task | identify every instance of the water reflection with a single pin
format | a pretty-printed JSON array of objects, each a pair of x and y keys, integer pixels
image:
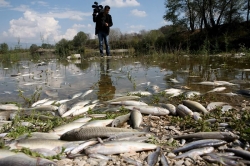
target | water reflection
[{"x": 106, "y": 89}]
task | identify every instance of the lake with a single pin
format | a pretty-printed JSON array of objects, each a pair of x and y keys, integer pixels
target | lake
[{"x": 116, "y": 76}]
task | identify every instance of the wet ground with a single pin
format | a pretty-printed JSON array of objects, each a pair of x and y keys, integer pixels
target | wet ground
[{"x": 110, "y": 77}]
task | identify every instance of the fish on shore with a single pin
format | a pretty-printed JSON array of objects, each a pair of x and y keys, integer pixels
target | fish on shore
[
  {"x": 117, "y": 147},
  {"x": 135, "y": 119},
  {"x": 153, "y": 110},
  {"x": 25, "y": 160},
  {"x": 196, "y": 152},
  {"x": 200, "y": 144},
  {"x": 195, "y": 106},
  {"x": 228, "y": 136}
]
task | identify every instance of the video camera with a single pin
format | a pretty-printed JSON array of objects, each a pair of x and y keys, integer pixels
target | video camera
[{"x": 97, "y": 8}]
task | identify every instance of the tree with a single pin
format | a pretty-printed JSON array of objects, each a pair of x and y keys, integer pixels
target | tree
[
  {"x": 80, "y": 39},
  {"x": 63, "y": 47},
  {"x": 4, "y": 48},
  {"x": 33, "y": 49}
]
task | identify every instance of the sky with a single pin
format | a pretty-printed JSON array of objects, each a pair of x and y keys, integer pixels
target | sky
[{"x": 49, "y": 21}]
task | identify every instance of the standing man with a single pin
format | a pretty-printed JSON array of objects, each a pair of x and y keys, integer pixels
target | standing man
[{"x": 103, "y": 21}]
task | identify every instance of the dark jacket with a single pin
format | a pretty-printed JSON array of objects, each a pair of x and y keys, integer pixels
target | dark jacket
[{"x": 100, "y": 21}]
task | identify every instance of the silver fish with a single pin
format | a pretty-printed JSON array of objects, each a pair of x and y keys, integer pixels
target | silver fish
[
  {"x": 86, "y": 93},
  {"x": 40, "y": 102},
  {"x": 41, "y": 108},
  {"x": 24, "y": 160},
  {"x": 149, "y": 110},
  {"x": 170, "y": 107},
  {"x": 117, "y": 147},
  {"x": 183, "y": 111},
  {"x": 62, "y": 109},
  {"x": 195, "y": 106},
  {"x": 120, "y": 120},
  {"x": 83, "y": 110},
  {"x": 214, "y": 105},
  {"x": 200, "y": 144},
  {"x": 196, "y": 152},
  {"x": 37, "y": 143},
  {"x": 9, "y": 107},
  {"x": 228, "y": 136},
  {"x": 153, "y": 157},
  {"x": 100, "y": 123},
  {"x": 135, "y": 119},
  {"x": 59, "y": 130}
]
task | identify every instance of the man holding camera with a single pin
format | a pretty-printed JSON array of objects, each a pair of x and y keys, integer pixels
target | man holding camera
[{"x": 103, "y": 21}]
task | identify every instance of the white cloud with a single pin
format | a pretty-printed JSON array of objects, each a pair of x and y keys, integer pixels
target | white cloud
[
  {"x": 32, "y": 25},
  {"x": 41, "y": 3},
  {"x": 138, "y": 13},
  {"x": 73, "y": 15},
  {"x": 120, "y": 3},
  {"x": 136, "y": 27},
  {"x": 3, "y": 3},
  {"x": 21, "y": 8}
]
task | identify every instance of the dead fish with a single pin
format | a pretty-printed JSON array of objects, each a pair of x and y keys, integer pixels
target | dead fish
[
  {"x": 164, "y": 161},
  {"x": 76, "y": 95},
  {"x": 59, "y": 130},
  {"x": 174, "y": 92},
  {"x": 214, "y": 105},
  {"x": 82, "y": 146},
  {"x": 86, "y": 93},
  {"x": 62, "y": 109},
  {"x": 135, "y": 119},
  {"x": 129, "y": 102},
  {"x": 24, "y": 160},
  {"x": 6, "y": 153},
  {"x": 98, "y": 123},
  {"x": 191, "y": 94},
  {"x": 85, "y": 133},
  {"x": 195, "y": 106},
  {"x": 37, "y": 143},
  {"x": 170, "y": 107},
  {"x": 124, "y": 98},
  {"x": 40, "y": 102},
  {"x": 152, "y": 158},
  {"x": 144, "y": 109},
  {"x": 120, "y": 120},
  {"x": 228, "y": 136},
  {"x": 9, "y": 107},
  {"x": 219, "y": 89},
  {"x": 41, "y": 108},
  {"x": 117, "y": 147},
  {"x": 200, "y": 144},
  {"x": 195, "y": 152},
  {"x": 240, "y": 152},
  {"x": 142, "y": 93},
  {"x": 212, "y": 157},
  {"x": 183, "y": 111},
  {"x": 83, "y": 110}
]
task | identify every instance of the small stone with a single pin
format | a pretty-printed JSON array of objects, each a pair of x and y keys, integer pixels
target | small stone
[
  {"x": 171, "y": 155},
  {"x": 64, "y": 162},
  {"x": 178, "y": 163}
]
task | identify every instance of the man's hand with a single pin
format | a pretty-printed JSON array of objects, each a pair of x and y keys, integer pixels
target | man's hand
[{"x": 106, "y": 24}]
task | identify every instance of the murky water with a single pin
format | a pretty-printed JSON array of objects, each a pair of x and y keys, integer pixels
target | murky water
[{"x": 112, "y": 77}]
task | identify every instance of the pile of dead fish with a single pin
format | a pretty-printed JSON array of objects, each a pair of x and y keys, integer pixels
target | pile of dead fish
[{"x": 127, "y": 139}]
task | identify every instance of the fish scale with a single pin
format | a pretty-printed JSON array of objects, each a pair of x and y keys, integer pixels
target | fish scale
[{"x": 85, "y": 133}]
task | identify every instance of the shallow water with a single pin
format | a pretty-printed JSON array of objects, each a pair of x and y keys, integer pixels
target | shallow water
[{"x": 118, "y": 75}]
